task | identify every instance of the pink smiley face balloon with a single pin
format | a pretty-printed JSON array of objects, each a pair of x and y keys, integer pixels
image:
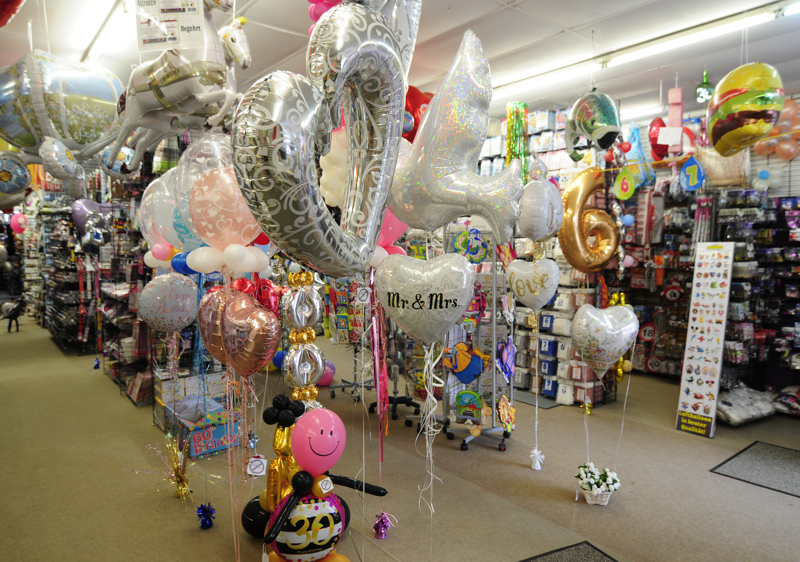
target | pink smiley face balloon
[{"x": 318, "y": 440}]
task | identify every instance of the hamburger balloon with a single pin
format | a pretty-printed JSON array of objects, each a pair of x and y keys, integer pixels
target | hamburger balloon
[{"x": 745, "y": 107}]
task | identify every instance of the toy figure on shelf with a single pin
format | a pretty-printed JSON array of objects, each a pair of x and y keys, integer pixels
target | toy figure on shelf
[
  {"x": 308, "y": 523},
  {"x": 465, "y": 363}
]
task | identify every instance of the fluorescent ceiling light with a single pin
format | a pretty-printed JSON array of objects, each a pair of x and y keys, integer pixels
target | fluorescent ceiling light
[
  {"x": 692, "y": 38},
  {"x": 643, "y": 112},
  {"x": 792, "y": 9},
  {"x": 547, "y": 79}
]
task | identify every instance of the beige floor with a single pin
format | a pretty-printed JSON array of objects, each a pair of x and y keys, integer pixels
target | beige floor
[{"x": 71, "y": 445}]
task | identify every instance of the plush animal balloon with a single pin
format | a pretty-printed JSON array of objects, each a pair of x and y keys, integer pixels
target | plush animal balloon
[
  {"x": 594, "y": 117},
  {"x": 437, "y": 182},
  {"x": 581, "y": 224},
  {"x": 84, "y": 125},
  {"x": 746, "y": 105}
]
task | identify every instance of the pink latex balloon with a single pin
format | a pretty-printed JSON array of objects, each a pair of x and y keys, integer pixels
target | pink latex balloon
[
  {"x": 327, "y": 378},
  {"x": 18, "y": 223},
  {"x": 628, "y": 261},
  {"x": 391, "y": 230},
  {"x": 315, "y": 1},
  {"x": 315, "y": 11},
  {"x": 318, "y": 440},
  {"x": 162, "y": 252},
  {"x": 219, "y": 211},
  {"x": 392, "y": 250}
]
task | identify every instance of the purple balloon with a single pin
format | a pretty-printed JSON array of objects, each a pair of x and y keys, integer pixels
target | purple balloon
[{"x": 81, "y": 209}]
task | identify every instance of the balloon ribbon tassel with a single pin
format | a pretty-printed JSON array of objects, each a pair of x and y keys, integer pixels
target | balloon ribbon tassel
[
  {"x": 382, "y": 524},
  {"x": 205, "y": 514}
]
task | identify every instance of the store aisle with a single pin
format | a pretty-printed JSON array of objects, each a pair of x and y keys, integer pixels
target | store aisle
[{"x": 71, "y": 445}]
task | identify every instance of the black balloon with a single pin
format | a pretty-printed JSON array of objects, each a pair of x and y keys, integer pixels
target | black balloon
[
  {"x": 286, "y": 418},
  {"x": 302, "y": 482},
  {"x": 255, "y": 519},
  {"x": 297, "y": 408},
  {"x": 281, "y": 401},
  {"x": 270, "y": 416}
]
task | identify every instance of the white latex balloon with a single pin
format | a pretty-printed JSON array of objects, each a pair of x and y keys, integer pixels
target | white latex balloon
[
  {"x": 295, "y": 268},
  {"x": 379, "y": 255},
  {"x": 266, "y": 273},
  {"x": 238, "y": 258},
  {"x": 334, "y": 170},
  {"x": 425, "y": 298},
  {"x": 541, "y": 210},
  {"x": 603, "y": 336},
  {"x": 262, "y": 261},
  {"x": 150, "y": 260},
  {"x": 206, "y": 260},
  {"x": 534, "y": 284}
]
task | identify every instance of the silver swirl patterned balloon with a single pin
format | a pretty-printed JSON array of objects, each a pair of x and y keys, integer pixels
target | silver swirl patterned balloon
[
  {"x": 402, "y": 16},
  {"x": 303, "y": 364},
  {"x": 437, "y": 182},
  {"x": 283, "y": 125}
]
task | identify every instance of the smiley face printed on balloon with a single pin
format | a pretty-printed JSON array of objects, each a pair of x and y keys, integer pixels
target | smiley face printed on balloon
[{"x": 318, "y": 440}]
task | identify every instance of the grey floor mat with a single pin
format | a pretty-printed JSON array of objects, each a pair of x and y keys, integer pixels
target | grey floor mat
[
  {"x": 545, "y": 402},
  {"x": 769, "y": 466},
  {"x": 581, "y": 552}
]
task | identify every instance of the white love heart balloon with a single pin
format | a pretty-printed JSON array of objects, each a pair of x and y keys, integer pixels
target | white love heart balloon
[
  {"x": 541, "y": 210},
  {"x": 602, "y": 336},
  {"x": 533, "y": 283},
  {"x": 425, "y": 298}
]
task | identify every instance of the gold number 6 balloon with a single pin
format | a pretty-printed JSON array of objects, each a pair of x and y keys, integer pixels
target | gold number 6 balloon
[
  {"x": 581, "y": 224},
  {"x": 357, "y": 58}
]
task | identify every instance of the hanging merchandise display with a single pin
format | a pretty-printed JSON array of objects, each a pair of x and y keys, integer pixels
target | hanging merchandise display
[{"x": 434, "y": 183}]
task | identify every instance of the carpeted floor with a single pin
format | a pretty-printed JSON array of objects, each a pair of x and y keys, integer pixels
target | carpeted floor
[
  {"x": 765, "y": 465},
  {"x": 73, "y": 487},
  {"x": 545, "y": 402}
]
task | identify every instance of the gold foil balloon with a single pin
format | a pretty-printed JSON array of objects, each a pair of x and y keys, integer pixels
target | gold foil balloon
[
  {"x": 209, "y": 321},
  {"x": 579, "y": 224},
  {"x": 251, "y": 334}
]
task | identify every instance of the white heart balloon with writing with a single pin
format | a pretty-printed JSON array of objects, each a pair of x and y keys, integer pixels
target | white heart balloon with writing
[
  {"x": 602, "y": 336},
  {"x": 425, "y": 298},
  {"x": 534, "y": 284}
]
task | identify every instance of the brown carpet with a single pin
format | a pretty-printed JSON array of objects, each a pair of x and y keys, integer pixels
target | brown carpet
[{"x": 71, "y": 444}]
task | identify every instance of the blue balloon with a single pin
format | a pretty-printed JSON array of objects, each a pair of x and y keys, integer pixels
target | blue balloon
[
  {"x": 278, "y": 359},
  {"x": 763, "y": 175},
  {"x": 628, "y": 220},
  {"x": 179, "y": 264}
]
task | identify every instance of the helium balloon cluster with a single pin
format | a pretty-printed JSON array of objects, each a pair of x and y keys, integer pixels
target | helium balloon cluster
[{"x": 782, "y": 139}]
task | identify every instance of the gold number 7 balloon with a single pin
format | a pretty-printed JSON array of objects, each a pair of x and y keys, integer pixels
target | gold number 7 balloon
[
  {"x": 436, "y": 183},
  {"x": 284, "y": 122}
]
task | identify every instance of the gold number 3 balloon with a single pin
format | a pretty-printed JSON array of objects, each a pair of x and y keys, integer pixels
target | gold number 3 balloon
[
  {"x": 358, "y": 56},
  {"x": 581, "y": 224}
]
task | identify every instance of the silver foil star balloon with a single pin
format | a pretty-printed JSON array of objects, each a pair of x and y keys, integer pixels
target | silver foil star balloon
[{"x": 437, "y": 182}]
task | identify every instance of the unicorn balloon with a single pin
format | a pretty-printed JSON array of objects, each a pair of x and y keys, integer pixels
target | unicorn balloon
[{"x": 182, "y": 89}]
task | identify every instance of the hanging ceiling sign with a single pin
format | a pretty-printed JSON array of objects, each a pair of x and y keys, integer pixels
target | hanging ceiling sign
[{"x": 169, "y": 24}]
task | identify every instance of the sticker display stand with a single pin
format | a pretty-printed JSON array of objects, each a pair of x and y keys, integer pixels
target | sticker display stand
[{"x": 705, "y": 341}]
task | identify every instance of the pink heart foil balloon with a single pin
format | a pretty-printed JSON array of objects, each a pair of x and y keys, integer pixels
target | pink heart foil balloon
[
  {"x": 270, "y": 294},
  {"x": 209, "y": 322},
  {"x": 251, "y": 334}
]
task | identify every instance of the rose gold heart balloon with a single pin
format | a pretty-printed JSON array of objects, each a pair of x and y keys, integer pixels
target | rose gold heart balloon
[
  {"x": 251, "y": 334},
  {"x": 209, "y": 321}
]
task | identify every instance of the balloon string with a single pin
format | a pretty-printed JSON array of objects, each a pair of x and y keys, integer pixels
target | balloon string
[
  {"x": 536, "y": 400},
  {"x": 428, "y": 429},
  {"x": 624, "y": 408},
  {"x": 586, "y": 426}
]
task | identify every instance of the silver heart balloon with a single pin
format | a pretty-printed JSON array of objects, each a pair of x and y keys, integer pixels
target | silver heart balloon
[
  {"x": 303, "y": 364},
  {"x": 534, "y": 284},
  {"x": 425, "y": 298},
  {"x": 603, "y": 336},
  {"x": 283, "y": 125},
  {"x": 437, "y": 182},
  {"x": 303, "y": 307}
]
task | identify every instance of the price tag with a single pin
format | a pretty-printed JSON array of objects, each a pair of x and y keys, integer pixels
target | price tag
[
  {"x": 363, "y": 295},
  {"x": 692, "y": 174},
  {"x": 624, "y": 185}
]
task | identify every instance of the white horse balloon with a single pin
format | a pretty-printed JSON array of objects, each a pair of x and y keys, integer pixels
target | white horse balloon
[{"x": 180, "y": 90}]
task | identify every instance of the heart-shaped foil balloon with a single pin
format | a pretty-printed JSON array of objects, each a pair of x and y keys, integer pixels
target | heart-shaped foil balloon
[
  {"x": 244, "y": 286},
  {"x": 534, "y": 284},
  {"x": 209, "y": 322},
  {"x": 303, "y": 364},
  {"x": 251, "y": 334},
  {"x": 425, "y": 298},
  {"x": 270, "y": 294},
  {"x": 303, "y": 308},
  {"x": 602, "y": 336}
]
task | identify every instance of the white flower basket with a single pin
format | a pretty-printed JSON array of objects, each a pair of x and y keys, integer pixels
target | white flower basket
[{"x": 600, "y": 499}]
